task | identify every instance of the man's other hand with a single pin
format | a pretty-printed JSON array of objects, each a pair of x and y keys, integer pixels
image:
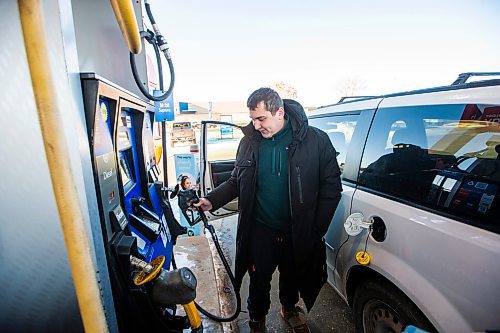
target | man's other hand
[{"x": 204, "y": 204}]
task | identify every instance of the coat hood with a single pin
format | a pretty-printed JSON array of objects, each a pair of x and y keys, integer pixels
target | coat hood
[{"x": 297, "y": 117}]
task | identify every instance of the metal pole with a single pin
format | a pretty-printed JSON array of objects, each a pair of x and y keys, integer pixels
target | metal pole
[{"x": 164, "y": 152}]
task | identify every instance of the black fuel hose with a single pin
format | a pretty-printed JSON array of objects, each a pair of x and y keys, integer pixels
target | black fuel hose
[
  {"x": 211, "y": 229},
  {"x": 159, "y": 44}
]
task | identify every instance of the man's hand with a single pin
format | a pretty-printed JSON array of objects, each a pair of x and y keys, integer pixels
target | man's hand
[{"x": 204, "y": 204}]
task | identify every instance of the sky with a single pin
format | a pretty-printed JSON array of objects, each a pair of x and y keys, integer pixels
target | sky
[{"x": 224, "y": 50}]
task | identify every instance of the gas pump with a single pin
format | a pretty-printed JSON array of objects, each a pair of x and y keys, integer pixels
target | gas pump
[
  {"x": 153, "y": 236},
  {"x": 148, "y": 210},
  {"x": 137, "y": 245},
  {"x": 156, "y": 189}
]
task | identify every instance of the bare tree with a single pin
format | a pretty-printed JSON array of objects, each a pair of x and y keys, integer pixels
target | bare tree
[
  {"x": 285, "y": 90},
  {"x": 351, "y": 87}
]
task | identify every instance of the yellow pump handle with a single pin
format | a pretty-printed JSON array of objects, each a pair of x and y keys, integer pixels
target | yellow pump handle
[
  {"x": 63, "y": 184},
  {"x": 125, "y": 15},
  {"x": 193, "y": 315}
]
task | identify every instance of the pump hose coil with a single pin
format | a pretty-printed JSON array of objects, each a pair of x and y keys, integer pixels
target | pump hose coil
[{"x": 159, "y": 43}]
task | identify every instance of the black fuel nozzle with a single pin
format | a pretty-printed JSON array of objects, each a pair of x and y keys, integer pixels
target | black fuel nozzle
[
  {"x": 164, "y": 191},
  {"x": 168, "y": 288},
  {"x": 187, "y": 198}
]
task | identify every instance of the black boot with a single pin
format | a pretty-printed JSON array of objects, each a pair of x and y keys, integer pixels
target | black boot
[
  {"x": 295, "y": 318},
  {"x": 257, "y": 326}
]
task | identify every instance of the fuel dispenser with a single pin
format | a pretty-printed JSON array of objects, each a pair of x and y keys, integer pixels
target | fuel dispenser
[
  {"x": 147, "y": 207},
  {"x": 147, "y": 225},
  {"x": 155, "y": 188},
  {"x": 138, "y": 246}
]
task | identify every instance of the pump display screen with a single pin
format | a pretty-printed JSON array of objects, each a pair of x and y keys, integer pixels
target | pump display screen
[
  {"x": 123, "y": 140},
  {"x": 127, "y": 177},
  {"x": 123, "y": 135}
]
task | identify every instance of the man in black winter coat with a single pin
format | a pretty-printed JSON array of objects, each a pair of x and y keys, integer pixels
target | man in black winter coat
[{"x": 288, "y": 183}]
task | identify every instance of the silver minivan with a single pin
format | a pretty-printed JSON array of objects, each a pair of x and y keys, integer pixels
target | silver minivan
[{"x": 415, "y": 238}]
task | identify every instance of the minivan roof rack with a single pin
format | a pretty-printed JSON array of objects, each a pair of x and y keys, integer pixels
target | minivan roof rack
[
  {"x": 463, "y": 77},
  {"x": 343, "y": 98}
]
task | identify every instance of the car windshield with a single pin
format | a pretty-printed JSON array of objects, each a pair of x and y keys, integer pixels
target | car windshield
[{"x": 182, "y": 126}]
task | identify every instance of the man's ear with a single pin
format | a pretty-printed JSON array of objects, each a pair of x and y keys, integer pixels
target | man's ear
[{"x": 280, "y": 112}]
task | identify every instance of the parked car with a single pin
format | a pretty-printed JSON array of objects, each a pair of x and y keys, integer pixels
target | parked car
[
  {"x": 421, "y": 170},
  {"x": 182, "y": 131},
  {"x": 415, "y": 238}
]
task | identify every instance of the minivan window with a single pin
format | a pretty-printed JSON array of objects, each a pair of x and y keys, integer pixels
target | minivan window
[
  {"x": 446, "y": 157},
  {"x": 340, "y": 129}
]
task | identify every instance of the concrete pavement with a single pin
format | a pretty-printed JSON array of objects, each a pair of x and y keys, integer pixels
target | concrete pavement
[
  {"x": 329, "y": 315},
  {"x": 214, "y": 292},
  {"x": 194, "y": 252}
]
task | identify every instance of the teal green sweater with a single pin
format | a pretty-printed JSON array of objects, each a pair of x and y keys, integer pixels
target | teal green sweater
[{"x": 272, "y": 204}]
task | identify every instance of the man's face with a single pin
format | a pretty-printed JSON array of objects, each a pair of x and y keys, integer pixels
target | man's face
[{"x": 264, "y": 122}]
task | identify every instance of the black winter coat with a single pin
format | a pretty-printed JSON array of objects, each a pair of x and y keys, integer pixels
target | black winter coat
[{"x": 315, "y": 191}]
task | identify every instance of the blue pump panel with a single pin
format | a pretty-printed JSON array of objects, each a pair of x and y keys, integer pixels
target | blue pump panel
[
  {"x": 146, "y": 224},
  {"x": 146, "y": 227},
  {"x": 165, "y": 237},
  {"x": 148, "y": 144},
  {"x": 152, "y": 172},
  {"x": 129, "y": 171},
  {"x": 127, "y": 153}
]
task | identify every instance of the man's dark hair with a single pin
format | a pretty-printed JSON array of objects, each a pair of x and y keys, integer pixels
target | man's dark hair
[{"x": 271, "y": 99}]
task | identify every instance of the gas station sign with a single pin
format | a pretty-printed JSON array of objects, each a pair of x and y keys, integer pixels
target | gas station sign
[{"x": 164, "y": 110}]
